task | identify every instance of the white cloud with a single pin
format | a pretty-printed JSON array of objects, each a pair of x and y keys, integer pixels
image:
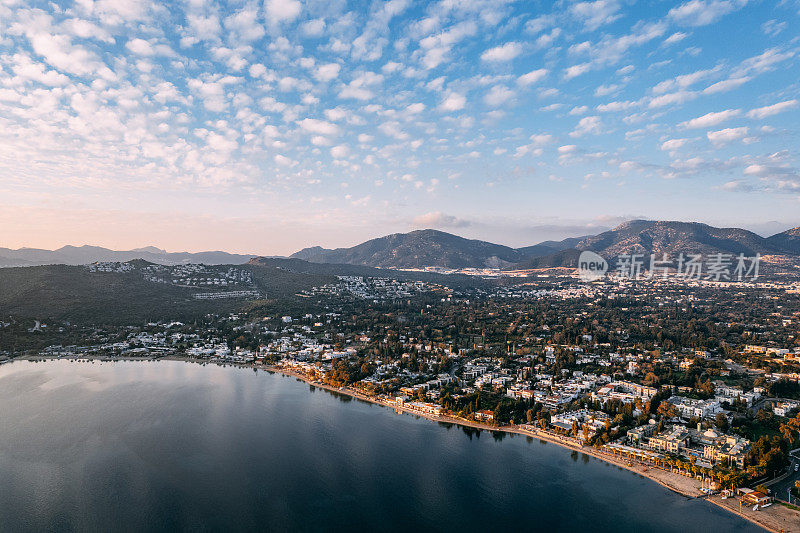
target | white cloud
[
  {"x": 587, "y": 125},
  {"x": 284, "y": 161},
  {"x": 676, "y": 38},
  {"x": 532, "y": 77},
  {"x": 576, "y": 70},
  {"x": 340, "y": 152},
  {"x": 140, "y": 47},
  {"x": 726, "y": 85},
  {"x": 453, "y": 102},
  {"x": 683, "y": 81},
  {"x": 86, "y": 30},
  {"x": 763, "y": 62},
  {"x": 773, "y": 109},
  {"x": 282, "y": 10},
  {"x": 597, "y": 13},
  {"x": 498, "y": 95},
  {"x": 320, "y": 127},
  {"x": 327, "y": 72},
  {"x": 313, "y": 27},
  {"x": 710, "y": 119},
  {"x": 505, "y": 52},
  {"x": 437, "y": 219},
  {"x": 673, "y": 144},
  {"x": 244, "y": 25},
  {"x": 678, "y": 97},
  {"x": 727, "y": 135},
  {"x": 703, "y": 12}
]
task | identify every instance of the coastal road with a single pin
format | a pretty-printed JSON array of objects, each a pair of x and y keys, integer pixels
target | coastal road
[{"x": 781, "y": 489}]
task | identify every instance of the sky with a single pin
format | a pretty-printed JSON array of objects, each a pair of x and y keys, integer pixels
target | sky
[{"x": 267, "y": 126}]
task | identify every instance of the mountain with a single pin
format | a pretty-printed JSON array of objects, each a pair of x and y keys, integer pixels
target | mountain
[
  {"x": 546, "y": 248},
  {"x": 672, "y": 238},
  {"x": 788, "y": 240},
  {"x": 84, "y": 255},
  {"x": 417, "y": 249}
]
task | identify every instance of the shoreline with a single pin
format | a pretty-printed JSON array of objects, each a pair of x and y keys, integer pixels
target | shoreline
[{"x": 778, "y": 519}]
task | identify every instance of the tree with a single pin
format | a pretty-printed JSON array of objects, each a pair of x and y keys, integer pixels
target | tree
[{"x": 721, "y": 421}]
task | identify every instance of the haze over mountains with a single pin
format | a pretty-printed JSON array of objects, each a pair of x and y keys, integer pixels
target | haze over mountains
[
  {"x": 84, "y": 255},
  {"x": 433, "y": 248}
]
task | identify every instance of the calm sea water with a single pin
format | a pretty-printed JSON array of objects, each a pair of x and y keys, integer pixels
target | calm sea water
[{"x": 161, "y": 446}]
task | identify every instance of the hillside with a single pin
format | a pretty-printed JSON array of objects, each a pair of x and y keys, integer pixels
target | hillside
[
  {"x": 646, "y": 237},
  {"x": 788, "y": 240},
  {"x": 546, "y": 248},
  {"x": 673, "y": 238},
  {"x": 84, "y": 255},
  {"x": 417, "y": 249},
  {"x": 74, "y": 293}
]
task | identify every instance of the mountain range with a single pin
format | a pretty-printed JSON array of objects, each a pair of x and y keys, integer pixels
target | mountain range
[
  {"x": 84, "y": 255},
  {"x": 433, "y": 248},
  {"x": 436, "y": 248}
]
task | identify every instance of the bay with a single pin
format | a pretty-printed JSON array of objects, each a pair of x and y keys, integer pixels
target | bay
[{"x": 169, "y": 445}]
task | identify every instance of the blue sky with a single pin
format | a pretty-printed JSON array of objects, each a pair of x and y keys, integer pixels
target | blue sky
[{"x": 268, "y": 126}]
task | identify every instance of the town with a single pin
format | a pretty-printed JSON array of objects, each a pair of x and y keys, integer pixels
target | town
[{"x": 699, "y": 382}]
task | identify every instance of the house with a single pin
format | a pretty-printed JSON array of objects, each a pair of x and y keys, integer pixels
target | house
[
  {"x": 784, "y": 408},
  {"x": 484, "y": 414},
  {"x": 688, "y": 407},
  {"x": 672, "y": 440},
  {"x": 754, "y": 497}
]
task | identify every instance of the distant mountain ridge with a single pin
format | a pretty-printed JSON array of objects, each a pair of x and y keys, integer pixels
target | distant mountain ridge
[
  {"x": 417, "y": 249},
  {"x": 432, "y": 248},
  {"x": 84, "y": 255},
  {"x": 646, "y": 237}
]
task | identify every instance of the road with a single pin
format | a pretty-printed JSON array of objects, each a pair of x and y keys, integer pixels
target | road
[{"x": 781, "y": 489}]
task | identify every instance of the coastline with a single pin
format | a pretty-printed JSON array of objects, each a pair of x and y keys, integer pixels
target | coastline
[{"x": 777, "y": 518}]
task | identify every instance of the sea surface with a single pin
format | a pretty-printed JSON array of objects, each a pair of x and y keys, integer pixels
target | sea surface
[{"x": 167, "y": 445}]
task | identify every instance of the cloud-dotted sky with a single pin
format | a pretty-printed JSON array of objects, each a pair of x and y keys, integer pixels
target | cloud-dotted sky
[{"x": 269, "y": 125}]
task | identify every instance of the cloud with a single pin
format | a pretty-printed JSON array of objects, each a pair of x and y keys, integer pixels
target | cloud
[
  {"x": 774, "y": 109},
  {"x": 502, "y": 53},
  {"x": 727, "y": 135},
  {"x": 140, "y": 47},
  {"x": 313, "y": 27},
  {"x": 596, "y": 14},
  {"x": 453, "y": 102},
  {"x": 763, "y": 62},
  {"x": 321, "y": 127},
  {"x": 532, "y": 77},
  {"x": 498, "y": 95},
  {"x": 726, "y": 85},
  {"x": 282, "y": 10},
  {"x": 675, "y": 38},
  {"x": 340, "y": 152},
  {"x": 437, "y": 219},
  {"x": 587, "y": 125},
  {"x": 327, "y": 72},
  {"x": 673, "y": 144},
  {"x": 244, "y": 25},
  {"x": 576, "y": 70},
  {"x": 703, "y": 12},
  {"x": 710, "y": 119},
  {"x": 678, "y": 97}
]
